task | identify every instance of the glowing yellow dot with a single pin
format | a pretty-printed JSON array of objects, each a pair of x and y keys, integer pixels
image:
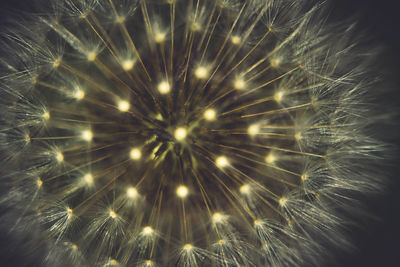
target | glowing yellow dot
[
  {"x": 282, "y": 201},
  {"x": 180, "y": 133},
  {"x": 135, "y": 154},
  {"x": 304, "y": 176},
  {"x": 57, "y": 63},
  {"x": 218, "y": 218},
  {"x": 297, "y": 136},
  {"x": 221, "y": 242},
  {"x": 271, "y": 158},
  {"x": 120, "y": 19},
  {"x": 147, "y": 231},
  {"x": 74, "y": 246},
  {"x": 79, "y": 94},
  {"x": 27, "y": 138},
  {"x": 182, "y": 191},
  {"x": 245, "y": 189},
  {"x": 235, "y": 39},
  {"x": 87, "y": 135},
  {"x": 164, "y": 87},
  {"x": 132, "y": 192},
  {"x": 210, "y": 114},
  {"x": 188, "y": 247},
  {"x": 127, "y": 64},
  {"x": 159, "y": 37},
  {"x": 123, "y": 106},
  {"x": 149, "y": 262},
  {"x": 278, "y": 96},
  {"x": 46, "y": 115},
  {"x": 239, "y": 84},
  {"x": 91, "y": 56},
  {"x": 83, "y": 16},
  {"x": 59, "y": 156},
  {"x": 113, "y": 262},
  {"x": 195, "y": 27},
  {"x": 221, "y": 162},
  {"x": 39, "y": 182},
  {"x": 201, "y": 72},
  {"x": 275, "y": 62},
  {"x": 88, "y": 178},
  {"x": 112, "y": 214},
  {"x": 69, "y": 212},
  {"x": 257, "y": 222},
  {"x": 253, "y": 129}
]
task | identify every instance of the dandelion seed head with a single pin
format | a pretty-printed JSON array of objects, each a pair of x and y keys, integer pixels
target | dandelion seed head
[{"x": 185, "y": 133}]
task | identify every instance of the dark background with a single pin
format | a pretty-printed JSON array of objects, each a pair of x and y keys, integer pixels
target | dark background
[{"x": 377, "y": 244}]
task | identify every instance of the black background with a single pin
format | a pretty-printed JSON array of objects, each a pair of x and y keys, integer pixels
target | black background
[{"x": 379, "y": 243}]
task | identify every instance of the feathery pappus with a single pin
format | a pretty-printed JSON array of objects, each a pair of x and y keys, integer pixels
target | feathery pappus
[{"x": 185, "y": 132}]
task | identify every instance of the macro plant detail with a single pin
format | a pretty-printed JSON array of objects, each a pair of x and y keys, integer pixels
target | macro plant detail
[{"x": 185, "y": 132}]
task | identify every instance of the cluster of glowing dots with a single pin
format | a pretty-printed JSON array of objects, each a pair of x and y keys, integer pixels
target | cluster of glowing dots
[{"x": 182, "y": 191}]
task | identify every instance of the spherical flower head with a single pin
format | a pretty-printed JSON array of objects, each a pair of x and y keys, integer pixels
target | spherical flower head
[{"x": 185, "y": 132}]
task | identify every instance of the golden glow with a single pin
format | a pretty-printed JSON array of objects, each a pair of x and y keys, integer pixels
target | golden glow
[
  {"x": 135, "y": 154},
  {"x": 180, "y": 133},
  {"x": 221, "y": 162},
  {"x": 182, "y": 191},
  {"x": 210, "y": 114},
  {"x": 164, "y": 87}
]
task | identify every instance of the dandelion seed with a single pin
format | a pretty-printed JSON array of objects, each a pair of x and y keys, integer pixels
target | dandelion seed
[{"x": 221, "y": 162}]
